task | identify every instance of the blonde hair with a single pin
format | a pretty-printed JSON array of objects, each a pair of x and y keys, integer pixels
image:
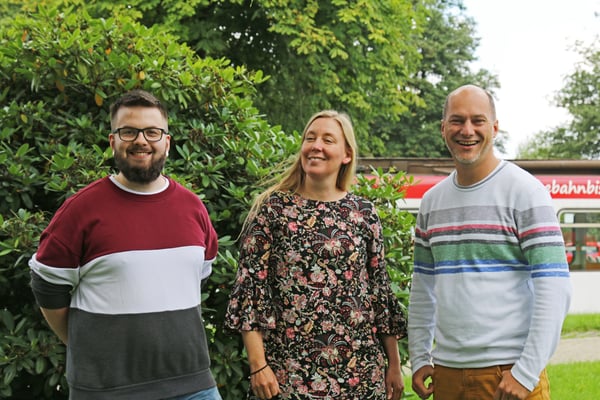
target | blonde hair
[{"x": 293, "y": 177}]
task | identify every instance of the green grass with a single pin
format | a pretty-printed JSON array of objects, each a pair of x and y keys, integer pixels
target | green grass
[
  {"x": 567, "y": 381},
  {"x": 578, "y": 324},
  {"x": 574, "y": 381}
]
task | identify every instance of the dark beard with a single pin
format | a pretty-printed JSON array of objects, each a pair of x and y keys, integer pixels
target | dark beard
[{"x": 140, "y": 175}]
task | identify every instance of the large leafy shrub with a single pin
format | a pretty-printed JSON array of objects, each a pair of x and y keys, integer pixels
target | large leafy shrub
[{"x": 59, "y": 71}]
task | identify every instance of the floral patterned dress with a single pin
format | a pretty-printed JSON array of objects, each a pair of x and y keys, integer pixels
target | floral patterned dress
[{"x": 312, "y": 277}]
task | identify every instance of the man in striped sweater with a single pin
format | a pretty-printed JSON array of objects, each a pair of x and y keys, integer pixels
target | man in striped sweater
[
  {"x": 491, "y": 284},
  {"x": 119, "y": 269}
]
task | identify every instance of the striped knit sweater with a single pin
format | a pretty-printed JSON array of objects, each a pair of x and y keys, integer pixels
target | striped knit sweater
[{"x": 491, "y": 282}]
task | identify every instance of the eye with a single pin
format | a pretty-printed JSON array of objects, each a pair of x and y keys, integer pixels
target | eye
[
  {"x": 153, "y": 133},
  {"x": 128, "y": 131}
]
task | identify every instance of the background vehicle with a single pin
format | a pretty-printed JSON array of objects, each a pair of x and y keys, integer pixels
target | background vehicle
[{"x": 575, "y": 189}]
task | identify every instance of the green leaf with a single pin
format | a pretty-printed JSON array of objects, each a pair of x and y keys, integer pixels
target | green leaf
[
  {"x": 40, "y": 365},
  {"x": 7, "y": 320},
  {"x": 22, "y": 150},
  {"x": 9, "y": 374}
]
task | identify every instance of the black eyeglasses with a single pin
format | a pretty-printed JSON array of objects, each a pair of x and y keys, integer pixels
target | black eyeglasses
[{"x": 128, "y": 134}]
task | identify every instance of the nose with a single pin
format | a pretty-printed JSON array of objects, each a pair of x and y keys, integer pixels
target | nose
[
  {"x": 468, "y": 128},
  {"x": 317, "y": 144},
  {"x": 140, "y": 137}
]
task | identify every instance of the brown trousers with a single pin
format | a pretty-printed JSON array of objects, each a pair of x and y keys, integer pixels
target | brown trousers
[{"x": 478, "y": 383}]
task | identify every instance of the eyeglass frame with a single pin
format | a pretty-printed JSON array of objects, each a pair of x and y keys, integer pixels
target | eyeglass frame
[{"x": 143, "y": 131}]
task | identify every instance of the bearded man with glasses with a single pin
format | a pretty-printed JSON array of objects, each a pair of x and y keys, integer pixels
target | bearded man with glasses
[{"x": 119, "y": 270}]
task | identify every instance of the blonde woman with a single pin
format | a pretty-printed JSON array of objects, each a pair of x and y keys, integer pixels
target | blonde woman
[{"x": 312, "y": 298}]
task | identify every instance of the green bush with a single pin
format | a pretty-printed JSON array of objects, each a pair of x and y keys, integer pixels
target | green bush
[
  {"x": 59, "y": 71},
  {"x": 386, "y": 189}
]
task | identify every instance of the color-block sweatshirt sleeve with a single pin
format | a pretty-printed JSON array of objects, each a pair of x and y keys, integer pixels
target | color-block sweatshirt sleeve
[
  {"x": 49, "y": 295},
  {"x": 211, "y": 243},
  {"x": 54, "y": 267}
]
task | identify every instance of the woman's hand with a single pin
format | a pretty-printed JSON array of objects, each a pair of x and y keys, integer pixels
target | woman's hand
[{"x": 264, "y": 383}]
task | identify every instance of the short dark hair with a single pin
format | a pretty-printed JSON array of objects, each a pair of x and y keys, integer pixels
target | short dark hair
[{"x": 134, "y": 98}]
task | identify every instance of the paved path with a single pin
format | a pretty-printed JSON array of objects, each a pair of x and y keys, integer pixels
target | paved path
[{"x": 578, "y": 349}]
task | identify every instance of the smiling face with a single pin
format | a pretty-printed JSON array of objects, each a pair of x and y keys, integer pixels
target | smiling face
[
  {"x": 324, "y": 150},
  {"x": 139, "y": 162},
  {"x": 470, "y": 126}
]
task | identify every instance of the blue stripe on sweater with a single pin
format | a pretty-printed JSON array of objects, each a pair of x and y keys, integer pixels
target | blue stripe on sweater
[{"x": 554, "y": 269}]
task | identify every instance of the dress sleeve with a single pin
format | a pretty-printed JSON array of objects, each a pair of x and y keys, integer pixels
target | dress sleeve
[
  {"x": 250, "y": 303},
  {"x": 389, "y": 318}
]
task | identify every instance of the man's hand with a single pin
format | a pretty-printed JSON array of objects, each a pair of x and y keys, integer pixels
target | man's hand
[
  {"x": 418, "y": 382},
  {"x": 510, "y": 389}
]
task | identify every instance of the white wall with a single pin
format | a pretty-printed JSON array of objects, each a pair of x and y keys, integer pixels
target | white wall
[{"x": 586, "y": 292}]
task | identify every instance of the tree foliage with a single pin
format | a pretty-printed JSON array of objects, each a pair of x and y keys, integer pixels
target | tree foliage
[
  {"x": 447, "y": 49},
  {"x": 580, "y": 96},
  {"x": 389, "y": 63},
  {"x": 350, "y": 55}
]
